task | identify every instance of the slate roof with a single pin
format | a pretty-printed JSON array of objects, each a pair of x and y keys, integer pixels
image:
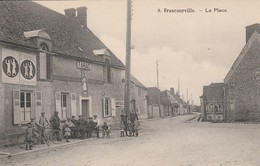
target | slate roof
[
  {"x": 67, "y": 35},
  {"x": 137, "y": 82}
]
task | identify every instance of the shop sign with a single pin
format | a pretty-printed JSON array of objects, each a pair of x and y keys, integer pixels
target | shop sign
[{"x": 83, "y": 65}]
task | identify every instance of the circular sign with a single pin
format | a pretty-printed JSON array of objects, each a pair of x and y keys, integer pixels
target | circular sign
[
  {"x": 10, "y": 66},
  {"x": 257, "y": 75},
  {"x": 28, "y": 69}
]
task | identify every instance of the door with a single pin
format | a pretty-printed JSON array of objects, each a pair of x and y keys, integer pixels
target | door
[
  {"x": 85, "y": 108},
  {"x": 132, "y": 105},
  {"x": 25, "y": 106}
]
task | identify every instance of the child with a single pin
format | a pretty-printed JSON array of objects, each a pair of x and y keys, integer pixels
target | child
[
  {"x": 122, "y": 129},
  {"x": 29, "y": 135},
  {"x": 67, "y": 131},
  {"x": 106, "y": 130}
]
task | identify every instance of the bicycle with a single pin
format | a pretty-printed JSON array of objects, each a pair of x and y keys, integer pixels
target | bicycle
[
  {"x": 21, "y": 139},
  {"x": 55, "y": 136}
]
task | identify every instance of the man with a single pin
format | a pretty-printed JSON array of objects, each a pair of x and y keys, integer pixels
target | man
[
  {"x": 82, "y": 126},
  {"x": 90, "y": 127},
  {"x": 124, "y": 121},
  {"x": 96, "y": 122},
  {"x": 43, "y": 123},
  {"x": 55, "y": 123}
]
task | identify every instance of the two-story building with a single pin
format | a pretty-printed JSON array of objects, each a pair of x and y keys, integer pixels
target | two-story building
[{"x": 53, "y": 62}]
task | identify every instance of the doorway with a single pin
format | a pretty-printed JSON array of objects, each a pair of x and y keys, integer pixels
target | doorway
[{"x": 85, "y": 108}]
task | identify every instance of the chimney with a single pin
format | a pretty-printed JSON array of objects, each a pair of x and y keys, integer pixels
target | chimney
[
  {"x": 71, "y": 12},
  {"x": 172, "y": 90},
  {"x": 82, "y": 15},
  {"x": 250, "y": 29}
]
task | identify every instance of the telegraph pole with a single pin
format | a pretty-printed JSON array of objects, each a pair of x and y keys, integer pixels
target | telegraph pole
[
  {"x": 128, "y": 59},
  {"x": 159, "y": 102}
]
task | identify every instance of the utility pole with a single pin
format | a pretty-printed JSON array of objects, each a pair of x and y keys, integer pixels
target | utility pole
[
  {"x": 128, "y": 59},
  {"x": 179, "y": 93},
  {"x": 159, "y": 102},
  {"x": 187, "y": 95}
]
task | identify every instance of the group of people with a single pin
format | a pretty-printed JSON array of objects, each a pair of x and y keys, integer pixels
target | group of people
[
  {"x": 129, "y": 124},
  {"x": 72, "y": 128},
  {"x": 78, "y": 128}
]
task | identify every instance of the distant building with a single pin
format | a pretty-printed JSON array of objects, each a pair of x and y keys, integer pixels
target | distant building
[
  {"x": 152, "y": 99},
  {"x": 170, "y": 103},
  {"x": 212, "y": 102},
  {"x": 138, "y": 101}
]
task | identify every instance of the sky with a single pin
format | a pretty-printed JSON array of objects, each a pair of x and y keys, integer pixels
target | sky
[{"x": 197, "y": 48}]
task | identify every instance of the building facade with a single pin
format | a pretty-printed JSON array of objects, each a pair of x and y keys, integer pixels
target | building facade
[
  {"x": 242, "y": 83},
  {"x": 212, "y": 102},
  {"x": 237, "y": 98},
  {"x": 53, "y": 62},
  {"x": 138, "y": 101}
]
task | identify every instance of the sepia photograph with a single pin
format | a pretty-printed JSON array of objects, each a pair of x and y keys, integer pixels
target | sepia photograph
[{"x": 129, "y": 83}]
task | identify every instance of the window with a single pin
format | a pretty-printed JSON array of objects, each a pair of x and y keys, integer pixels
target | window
[
  {"x": 64, "y": 105},
  {"x": 107, "y": 71},
  {"x": 44, "y": 59},
  {"x": 25, "y": 106},
  {"x": 107, "y": 101},
  {"x": 109, "y": 107}
]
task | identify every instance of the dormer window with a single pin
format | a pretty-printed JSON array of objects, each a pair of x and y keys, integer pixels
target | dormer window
[
  {"x": 107, "y": 71},
  {"x": 44, "y": 60}
]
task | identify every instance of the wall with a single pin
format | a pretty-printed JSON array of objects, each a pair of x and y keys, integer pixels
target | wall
[
  {"x": 66, "y": 78},
  {"x": 243, "y": 90}
]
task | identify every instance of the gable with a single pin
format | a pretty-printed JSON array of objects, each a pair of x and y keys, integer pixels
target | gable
[{"x": 241, "y": 56}]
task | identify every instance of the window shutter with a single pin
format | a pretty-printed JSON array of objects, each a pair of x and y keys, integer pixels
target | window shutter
[
  {"x": 73, "y": 104},
  {"x": 38, "y": 105},
  {"x": 58, "y": 102},
  {"x": 16, "y": 106},
  {"x": 104, "y": 106},
  {"x": 113, "y": 107}
]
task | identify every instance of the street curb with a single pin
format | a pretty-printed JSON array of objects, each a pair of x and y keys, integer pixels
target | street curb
[{"x": 46, "y": 148}]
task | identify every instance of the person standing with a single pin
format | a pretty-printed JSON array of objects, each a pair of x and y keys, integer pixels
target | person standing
[
  {"x": 82, "y": 126},
  {"x": 55, "y": 123},
  {"x": 96, "y": 122},
  {"x": 124, "y": 121},
  {"x": 43, "y": 123}
]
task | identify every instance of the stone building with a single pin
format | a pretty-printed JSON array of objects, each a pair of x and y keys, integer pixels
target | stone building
[
  {"x": 53, "y": 62},
  {"x": 242, "y": 83}
]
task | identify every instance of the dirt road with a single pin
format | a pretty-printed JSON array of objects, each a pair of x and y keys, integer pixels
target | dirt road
[{"x": 165, "y": 142}]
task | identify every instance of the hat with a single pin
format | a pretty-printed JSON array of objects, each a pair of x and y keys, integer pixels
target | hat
[
  {"x": 95, "y": 116},
  {"x": 56, "y": 112},
  {"x": 42, "y": 112}
]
